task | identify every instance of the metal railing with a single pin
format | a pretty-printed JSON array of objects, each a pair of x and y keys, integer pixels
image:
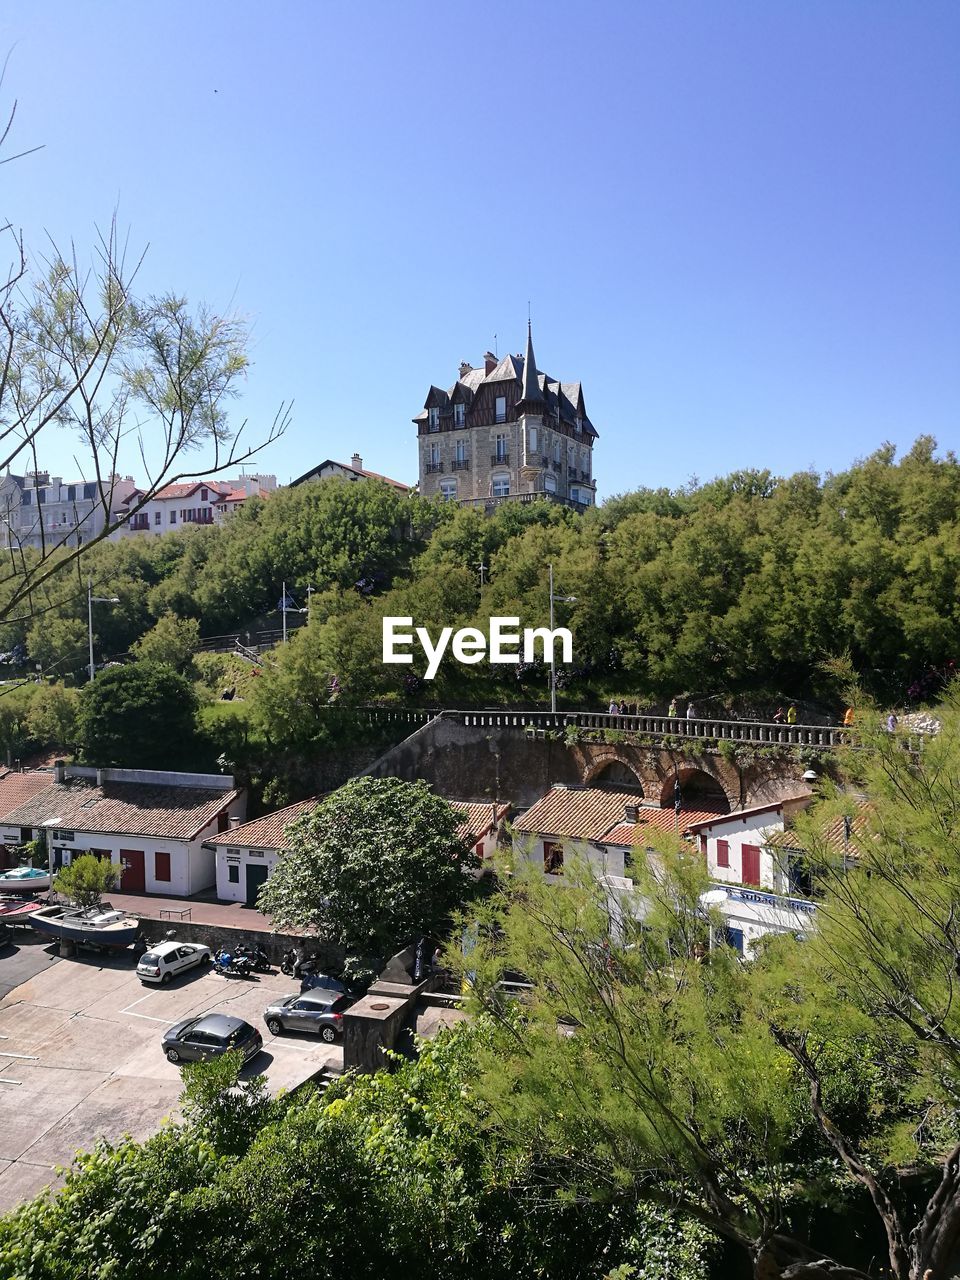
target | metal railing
[{"x": 706, "y": 730}]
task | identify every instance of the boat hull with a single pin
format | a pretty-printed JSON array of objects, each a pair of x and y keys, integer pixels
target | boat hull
[
  {"x": 14, "y": 910},
  {"x": 24, "y": 884},
  {"x": 74, "y": 928}
]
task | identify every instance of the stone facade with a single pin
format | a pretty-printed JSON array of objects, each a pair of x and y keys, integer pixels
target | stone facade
[
  {"x": 506, "y": 432},
  {"x": 38, "y": 510}
]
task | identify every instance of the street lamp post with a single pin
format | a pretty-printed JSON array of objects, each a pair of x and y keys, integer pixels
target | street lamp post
[
  {"x": 91, "y": 601},
  {"x": 553, "y": 665}
]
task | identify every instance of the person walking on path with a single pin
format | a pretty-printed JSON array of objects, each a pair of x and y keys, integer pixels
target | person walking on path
[
  {"x": 613, "y": 708},
  {"x": 791, "y": 714},
  {"x": 672, "y": 709}
]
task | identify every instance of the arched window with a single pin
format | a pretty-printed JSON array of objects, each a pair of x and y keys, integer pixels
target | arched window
[
  {"x": 550, "y": 484},
  {"x": 500, "y": 486},
  {"x": 448, "y": 489}
]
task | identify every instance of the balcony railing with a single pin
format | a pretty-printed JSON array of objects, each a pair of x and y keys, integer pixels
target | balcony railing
[
  {"x": 499, "y": 459},
  {"x": 460, "y": 464},
  {"x": 432, "y": 468}
]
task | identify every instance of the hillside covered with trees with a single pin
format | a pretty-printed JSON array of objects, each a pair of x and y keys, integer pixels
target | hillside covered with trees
[{"x": 750, "y": 587}]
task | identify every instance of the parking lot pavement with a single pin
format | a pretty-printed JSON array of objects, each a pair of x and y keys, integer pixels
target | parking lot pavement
[
  {"x": 80, "y": 1057},
  {"x": 26, "y": 955}
]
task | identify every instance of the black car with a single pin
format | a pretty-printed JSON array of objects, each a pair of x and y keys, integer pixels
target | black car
[
  {"x": 317, "y": 1011},
  {"x": 209, "y": 1036}
]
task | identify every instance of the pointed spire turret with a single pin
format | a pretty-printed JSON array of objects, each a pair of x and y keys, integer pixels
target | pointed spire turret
[{"x": 531, "y": 383}]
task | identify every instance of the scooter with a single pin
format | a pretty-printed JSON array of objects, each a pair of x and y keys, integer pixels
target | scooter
[{"x": 259, "y": 961}]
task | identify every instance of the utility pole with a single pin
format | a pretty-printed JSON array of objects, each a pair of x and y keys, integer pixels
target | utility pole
[
  {"x": 483, "y": 569},
  {"x": 283, "y": 609},
  {"x": 91, "y": 601},
  {"x": 553, "y": 665}
]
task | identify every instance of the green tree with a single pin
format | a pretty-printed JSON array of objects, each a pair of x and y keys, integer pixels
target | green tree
[
  {"x": 87, "y": 879},
  {"x": 374, "y": 864},
  {"x": 52, "y": 717},
  {"x": 753, "y": 1097},
  {"x": 141, "y": 715},
  {"x": 171, "y": 641}
]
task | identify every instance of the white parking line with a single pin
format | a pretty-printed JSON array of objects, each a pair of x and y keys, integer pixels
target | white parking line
[
  {"x": 290, "y": 1044},
  {"x": 168, "y": 1022},
  {"x": 30, "y": 1057}
]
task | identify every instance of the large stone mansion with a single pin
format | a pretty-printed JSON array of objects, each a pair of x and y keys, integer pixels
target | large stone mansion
[{"x": 506, "y": 431}]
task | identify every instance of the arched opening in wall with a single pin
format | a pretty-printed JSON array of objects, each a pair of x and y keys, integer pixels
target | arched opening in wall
[
  {"x": 698, "y": 790},
  {"x": 617, "y": 776}
]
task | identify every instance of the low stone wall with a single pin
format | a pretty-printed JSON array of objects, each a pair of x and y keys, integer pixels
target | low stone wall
[{"x": 330, "y": 957}]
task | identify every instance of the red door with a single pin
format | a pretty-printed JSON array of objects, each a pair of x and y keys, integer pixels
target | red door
[
  {"x": 750, "y": 864},
  {"x": 133, "y": 879}
]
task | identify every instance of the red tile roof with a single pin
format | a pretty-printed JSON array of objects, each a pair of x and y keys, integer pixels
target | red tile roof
[
  {"x": 123, "y": 808},
  {"x": 585, "y": 814},
  {"x": 478, "y": 817},
  {"x": 832, "y": 832},
  {"x": 633, "y": 834},
  {"x": 17, "y": 788},
  {"x": 184, "y": 490},
  {"x": 593, "y": 814},
  {"x": 268, "y": 832}
]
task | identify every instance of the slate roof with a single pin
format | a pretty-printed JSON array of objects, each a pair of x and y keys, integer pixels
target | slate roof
[
  {"x": 360, "y": 471},
  {"x": 559, "y": 398},
  {"x": 268, "y": 832},
  {"x": 478, "y": 817},
  {"x": 17, "y": 788},
  {"x": 123, "y": 808}
]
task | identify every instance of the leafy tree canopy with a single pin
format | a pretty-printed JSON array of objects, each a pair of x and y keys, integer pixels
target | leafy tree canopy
[
  {"x": 131, "y": 715},
  {"x": 373, "y": 865}
]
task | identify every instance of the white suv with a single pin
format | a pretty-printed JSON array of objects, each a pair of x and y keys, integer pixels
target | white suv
[{"x": 164, "y": 961}]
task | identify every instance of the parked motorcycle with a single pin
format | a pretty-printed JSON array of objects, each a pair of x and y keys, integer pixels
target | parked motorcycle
[
  {"x": 259, "y": 960},
  {"x": 232, "y": 966}
]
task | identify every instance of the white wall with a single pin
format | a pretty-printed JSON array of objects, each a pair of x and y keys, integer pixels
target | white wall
[
  {"x": 240, "y": 857},
  {"x": 738, "y": 831}
]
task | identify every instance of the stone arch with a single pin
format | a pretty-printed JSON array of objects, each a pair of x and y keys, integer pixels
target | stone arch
[
  {"x": 613, "y": 774},
  {"x": 699, "y": 790}
]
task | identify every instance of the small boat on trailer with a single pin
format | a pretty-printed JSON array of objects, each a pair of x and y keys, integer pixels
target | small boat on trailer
[
  {"x": 93, "y": 926},
  {"x": 24, "y": 880},
  {"x": 15, "y": 910}
]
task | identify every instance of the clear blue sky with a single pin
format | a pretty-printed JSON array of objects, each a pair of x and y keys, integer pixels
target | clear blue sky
[{"x": 737, "y": 222}]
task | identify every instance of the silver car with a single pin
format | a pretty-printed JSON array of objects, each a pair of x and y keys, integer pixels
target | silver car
[{"x": 317, "y": 1011}]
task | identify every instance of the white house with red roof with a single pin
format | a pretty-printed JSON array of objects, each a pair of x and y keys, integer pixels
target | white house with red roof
[
  {"x": 604, "y": 827},
  {"x": 246, "y": 855},
  {"x": 204, "y": 502},
  {"x": 153, "y": 823},
  {"x": 752, "y": 884}
]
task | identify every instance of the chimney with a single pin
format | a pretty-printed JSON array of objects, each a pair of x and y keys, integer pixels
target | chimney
[
  {"x": 356, "y": 462},
  {"x": 234, "y": 821},
  {"x": 99, "y": 777},
  {"x": 465, "y": 368},
  {"x": 631, "y": 813},
  {"x": 59, "y": 770},
  {"x": 490, "y": 362}
]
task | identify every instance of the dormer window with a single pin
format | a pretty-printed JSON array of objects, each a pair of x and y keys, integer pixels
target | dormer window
[
  {"x": 459, "y": 414},
  {"x": 579, "y": 423},
  {"x": 433, "y": 417}
]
